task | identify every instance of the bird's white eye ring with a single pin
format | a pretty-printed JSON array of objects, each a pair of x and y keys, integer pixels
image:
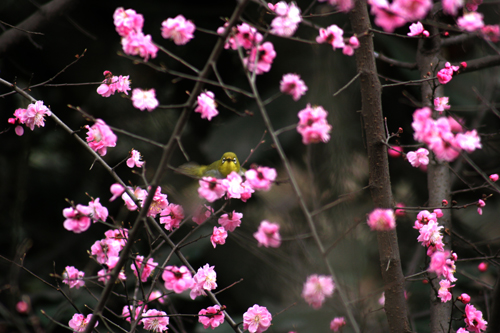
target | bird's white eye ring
[
  {"x": 234, "y": 160},
  {"x": 223, "y": 160}
]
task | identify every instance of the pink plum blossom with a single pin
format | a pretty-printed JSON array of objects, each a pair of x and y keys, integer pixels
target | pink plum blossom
[
  {"x": 287, "y": 20},
  {"x": 172, "y": 216},
  {"x": 386, "y": 16},
  {"x": 316, "y": 289},
  {"x": 178, "y": 29},
  {"x": 126, "y": 21},
  {"x": 261, "y": 178},
  {"x": 268, "y": 234},
  {"x": 469, "y": 141},
  {"x": 337, "y": 323},
  {"x": 471, "y": 21},
  {"x": 136, "y": 43},
  {"x": 351, "y": 46},
  {"x": 483, "y": 267},
  {"x": 117, "y": 190},
  {"x": 127, "y": 308},
  {"x": 262, "y": 63},
  {"x": 292, "y": 85},
  {"x": 464, "y": 298},
  {"x": 119, "y": 235},
  {"x": 211, "y": 317},
  {"x": 112, "y": 84},
  {"x": 145, "y": 268},
  {"x": 158, "y": 204},
  {"x": 139, "y": 193},
  {"x": 438, "y": 212},
  {"x": 211, "y": 189},
  {"x": 204, "y": 279},
  {"x": 395, "y": 151},
  {"x": 381, "y": 219},
  {"x": 451, "y": 7},
  {"x": 105, "y": 249},
  {"x": 445, "y": 74},
  {"x": 313, "y": 125},
  {"x": 79, "y": 322},
  {"x": 202, "y": 213},
  {"x": 462, "y": 330},
  {"x": 218, "y": 237},
  {"x": 97, "y": 211},
  {"x": 156, "y": 321},
  {"x": 342, "y": 5},
  {"x": 400, "y": 211},
  {"x": 243, "y": 35},
  {"x": 412, "y": 10},
  {"x": 77, "y": 219},
  {"x": 22, "y": 307},
  {"x": 480, "y": 205},
  {"x": 104, "y": 274},
  {"x": 443, "y": 264},
  {"x": 423, "y": 218},
  {"x": 494, "y": 177},
  {"x": 157, "y": 295},
  {"x": 441, "y": 103},
  {"x": 417, "y": 29},
  {"x": 444, "y": 291},
  {"x": 33, "y": 116},
  {"x": 230, "y": 221},
  {"x": 177, "y": 279},
  {"x": 491, "y": 32},
  {"x": 233, "y": 185},
  {"x": 144, "y": 99},
  {"x": 257, "y": 319},
  {"x": 474, "y": 319},
  {"x": 100, "y": 137},
  {"x": 135, "y": 159},
  {"x": 331, "y": 35},
  {"x": 472, "y": 5},
  {"x": 419, "y": 157},
  {"x": 206, "y": 105},
  {"x": 431, "y": 236},
  {"x": 73, "y": 277}
]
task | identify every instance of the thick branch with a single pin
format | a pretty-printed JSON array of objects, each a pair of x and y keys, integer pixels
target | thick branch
[
  {"x": 46, "y": 14},
  {"x": 380, "y": 185}
]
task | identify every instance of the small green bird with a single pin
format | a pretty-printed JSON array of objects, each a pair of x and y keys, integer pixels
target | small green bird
[{"x": 219, "y": 169}]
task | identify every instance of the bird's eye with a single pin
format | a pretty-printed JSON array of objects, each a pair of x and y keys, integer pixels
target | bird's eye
[
  {"x": 234, "y": 160},
  {"x": 223, "y": 160}
]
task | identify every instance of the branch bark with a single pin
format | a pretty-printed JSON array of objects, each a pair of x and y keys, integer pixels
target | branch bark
[
  {"x": 46, "y": 14},
  {"x": 380, "y": 184}
]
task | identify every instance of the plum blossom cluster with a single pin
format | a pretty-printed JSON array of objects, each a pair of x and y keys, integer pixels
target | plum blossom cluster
[
  {"x": 398, "y": 12},
  {"x": 144, "y": 269},
  {"x": 333, "y": 35},
  {"x": 129, "y": 25},
  {"x": 170, "y": 214},
  {"x": 33, "y": 115},
  {"x": 441, "y": 104},
  {"x": 204, "y": 280},
  {"x": 73, "y": 277},
  {"x": 100, "y": 137},
  {"x": 471, "y": 21},
  {"x": 257, "y": 319},
  {"x": 79, "y": 322},
  {"x": 446, "y": 74},
  {"x": 316, "y": 289},
  {"x": 179, "y": 279},
  {"x": 153, "y": 320},
  {"x": 112, "y": 84},
  {"x": 106, "y": 252},
  {"x": 313, "y": 125},
  {"x": 444, "y": 136},
  {"x": 260, "y": 55},
  {"x": 78, "y": 218},
  {"x": 417, "y": 29},
  {"x": 178, "y": 29},
  {"x": 211, "y": 317},
  {"x": 287, "y": 18}
]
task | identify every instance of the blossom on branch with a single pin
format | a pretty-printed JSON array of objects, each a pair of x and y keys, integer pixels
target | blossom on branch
[
  {"x": 144, "y": 99},
  {"x": 381, "y": 219},
  {"x": 292, "y": 85},
  {"x": 316, "y": 289},
  {"x": 268, "y": 234},
  {"x": 313, "y": 125},
  {"x": 211, "y": 317},
  {"x": 154, "y": 320},
  {"x": 127, "y": 21},
  {"x": 260, "y": 63},
  {"x": 79, "y": 322},
  {"x": 471, "y": 21},
  {"x": 206, "y": 105},
  {"x": 178, "y": 29},
  {"x": 73, "y": 277},
  {"x": 331, "y": 35},
  {"x": 100, "y": 137},
  {"x": 257, "y": 319},
  {"x": 287, "y": 20}
]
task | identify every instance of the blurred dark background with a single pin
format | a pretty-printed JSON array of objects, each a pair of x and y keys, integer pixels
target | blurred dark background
[{"x": 43, "y": 168}]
